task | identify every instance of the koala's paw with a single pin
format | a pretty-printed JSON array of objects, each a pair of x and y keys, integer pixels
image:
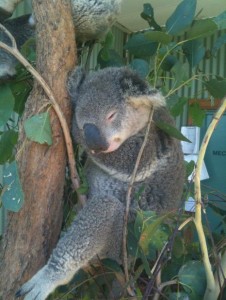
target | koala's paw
[{"x": 37, "y": 288}]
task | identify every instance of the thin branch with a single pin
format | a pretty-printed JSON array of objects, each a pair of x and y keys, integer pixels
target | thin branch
[
  {"x": 68, "y": 141},
  {"x": 211, "y": 284},
  {"x": 162, "y": 286},
  {"x": 128, "y": 198},
  {"x": 188, "y": 220}
]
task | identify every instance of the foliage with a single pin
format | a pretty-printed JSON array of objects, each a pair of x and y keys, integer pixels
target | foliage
[{"x": 168, "y": 57}]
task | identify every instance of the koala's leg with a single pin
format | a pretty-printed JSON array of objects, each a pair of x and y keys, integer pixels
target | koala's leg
[{"x": 91, "y": 234}]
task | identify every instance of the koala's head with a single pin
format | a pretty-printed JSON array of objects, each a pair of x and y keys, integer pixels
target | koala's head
[{"x": 110, "y": 106}]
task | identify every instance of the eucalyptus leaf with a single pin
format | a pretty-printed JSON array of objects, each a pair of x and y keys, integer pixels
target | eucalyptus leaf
[
  {"x": 158, "y": 36},
  {"x": 218, "y": 43},
  {"x": 172, "y": 131},
  {"x": 20, "y": 91},
  {"x": 109, "y": 58},
  {"x": 6, "y": 103},
  {"x": 148, "y": 15},
  {"x": 196, "y": 113},
  {"x": 140, "y": 46},
  {"x": 192, "y": 276},
  {"x": 38, "y": 129},
  {"x": 13, "y": 196},
  {"x": 202, "y": 28},
  {"x": 217, "y": 88},
  {"x": 181, "y": 73},
  {"x": 8, "y": 141},
  {"x": 141, "y": 67},
  {"x": 168, "y": 63},
  {"x": 220, "y": 20},
  {"x": 178, "y": 107},
  {"x": 148, "y": 232},
  {"x": 178, "y": 296},
  {"x": 181, "y": 18},
  {"x": 194, "y": 52}
]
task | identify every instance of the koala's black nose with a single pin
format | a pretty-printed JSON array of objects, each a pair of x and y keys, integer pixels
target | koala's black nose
[{"x": 94, "y": 139}]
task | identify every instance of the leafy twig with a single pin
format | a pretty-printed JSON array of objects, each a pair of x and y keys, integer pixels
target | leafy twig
[
  {"x": 15, "y": 52},
  {"x": 211, "y": 290},
  {"x": 128, "y": 198}
]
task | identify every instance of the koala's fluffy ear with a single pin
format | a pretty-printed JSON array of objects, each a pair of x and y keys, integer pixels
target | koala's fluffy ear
[
  {"x": 153, "y": 98},
  {"x": 137, "y": 91},
  {"x": 75, "y": 80}
]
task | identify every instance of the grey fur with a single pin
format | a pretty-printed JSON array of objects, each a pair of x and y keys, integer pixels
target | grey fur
[
  {"x": 98, "y": 227},
  {"x": 92, "y": 20}
]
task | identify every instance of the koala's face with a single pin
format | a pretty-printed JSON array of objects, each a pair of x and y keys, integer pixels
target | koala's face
[{"x": 110, "y": 107}]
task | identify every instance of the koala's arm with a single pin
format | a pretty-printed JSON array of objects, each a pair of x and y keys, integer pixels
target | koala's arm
[{"x": 87, "y": 237}]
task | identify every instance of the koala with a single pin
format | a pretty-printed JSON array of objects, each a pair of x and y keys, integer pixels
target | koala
[
  {"x": 111, "y": 110},
  {"x": 92, "y": 20}
]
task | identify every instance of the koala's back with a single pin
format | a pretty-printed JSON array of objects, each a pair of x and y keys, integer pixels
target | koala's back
[{"x": 92, "y": 18}]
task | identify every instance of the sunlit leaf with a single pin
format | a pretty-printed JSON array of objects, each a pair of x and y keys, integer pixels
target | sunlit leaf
[
  {"x": 202, "y": 28},
  {"x": 158, "y": 36},
  {"x": 172, "y": 131},
  {"x": 140, "y": 46},
  {"x": 38, "y": 129}
]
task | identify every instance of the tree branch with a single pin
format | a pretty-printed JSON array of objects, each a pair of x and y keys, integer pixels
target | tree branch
[{"x": 211, "y": 284}]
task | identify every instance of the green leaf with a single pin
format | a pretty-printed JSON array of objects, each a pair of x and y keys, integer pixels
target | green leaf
[
  {"x": 194, "y": 52},
  {"x": 168, "y": 62},
  {"x": 197, "y": 114},
  {"x": 111, "y": 265},
  {"x": 148, "y": 233},
  {"x": 8, "y": 141},
  {"x": 178, "y": 107},
  {"x": 148, "y": 15},
  {"x": 189, "y": 166},
  {"x": 192, "y": 276},
  {"x": 172, "y": 131},
  {"x": 178, "y": 296},
  {"x": 109, "y": 40},
  {"x": 217, "y": 88},
  {"x": 218, "y": 43},
  {"x": 13, "y": 196},
  {"x": 28, "y": 49},
  {"x": 220, "y": 20},
  {"x": 38, "y": 129},
  {"x": 202, "y": 28},
  {"x": 141, "y": 67},
  {"x": 181, "y": 18},
  {"x": 6, "y": 103},
  {"x": 158, "y": 36},
  {"x": 21, "y": 91},
  {"x": 181, "y": 73},
  {"x": 109, "y": 58},
  {"x": 139, "y": 46}
]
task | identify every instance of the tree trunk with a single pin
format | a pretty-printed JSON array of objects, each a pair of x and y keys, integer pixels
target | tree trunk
[{"x": 33, "y": 232}]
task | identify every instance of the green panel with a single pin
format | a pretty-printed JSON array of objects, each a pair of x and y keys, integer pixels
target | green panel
[{"x": 215, "y": 160}]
